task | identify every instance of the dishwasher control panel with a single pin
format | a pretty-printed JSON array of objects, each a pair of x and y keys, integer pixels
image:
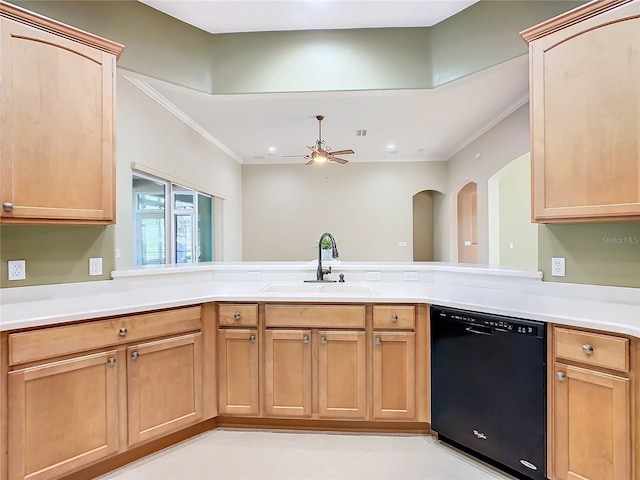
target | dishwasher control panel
[{"x": 497, "y": 322}]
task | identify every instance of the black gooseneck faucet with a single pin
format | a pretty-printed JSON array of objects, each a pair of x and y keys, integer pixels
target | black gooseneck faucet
[{"x": 334, "y": 254}]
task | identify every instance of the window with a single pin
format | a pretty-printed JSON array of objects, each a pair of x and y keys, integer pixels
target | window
[{"x": 173, "y": 223}]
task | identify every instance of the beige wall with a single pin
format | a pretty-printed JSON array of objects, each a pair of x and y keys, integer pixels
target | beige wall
[
  {"x": 367, "y": 207},
  {"x": 149, "y": 134},
  {"x": 506, "y": 141},
  {"x": 513, "y": 239}
]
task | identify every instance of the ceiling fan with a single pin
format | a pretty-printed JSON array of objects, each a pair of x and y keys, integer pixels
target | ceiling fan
[{"x": 321, "y": 153}]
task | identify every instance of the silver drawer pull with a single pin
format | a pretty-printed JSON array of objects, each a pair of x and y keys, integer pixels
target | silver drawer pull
[
  {"x": 394, "y": 318},
  {"x": 123, "y": 331},
  {"x": 561, "y": 376},
  {"x": 587, "y": 349},
  {"x": 134, "y": 355},
  {"x": 7, "y": 206},
  {"x": 236, "y": 316},
  {"x": 111, "y": 361},
  {"x": 305, "y": 339},
  {"x": 323, "y": 340},
  {"x": 252, "y": 338},
  {"x": 378, "y": 341}
]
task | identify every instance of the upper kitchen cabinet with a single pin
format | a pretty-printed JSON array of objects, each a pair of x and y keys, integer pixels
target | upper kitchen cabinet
[
  {"x": 585, "y": 114},
  {"x": 57, "y": 92}
]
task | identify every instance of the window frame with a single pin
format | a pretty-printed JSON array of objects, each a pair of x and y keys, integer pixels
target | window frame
[{"x": 172, "y": 187}]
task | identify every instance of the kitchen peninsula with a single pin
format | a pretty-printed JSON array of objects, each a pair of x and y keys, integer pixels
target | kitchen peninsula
[{"x": 217, "y": 342}]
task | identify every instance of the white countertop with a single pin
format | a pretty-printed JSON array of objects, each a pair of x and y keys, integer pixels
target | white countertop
[{"x": 486, "y": 289}]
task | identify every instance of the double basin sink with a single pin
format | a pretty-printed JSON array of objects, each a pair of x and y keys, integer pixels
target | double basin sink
[{"x": 319, "y": 288}]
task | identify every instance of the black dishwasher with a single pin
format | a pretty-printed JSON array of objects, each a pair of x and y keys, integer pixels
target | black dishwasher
[{"x": 488, "y": 388}]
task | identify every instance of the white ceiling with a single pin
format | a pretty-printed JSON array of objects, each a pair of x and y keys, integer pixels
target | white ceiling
[
  {"x": 421, "y": 125},
  {"x": 229, "y": 16}
]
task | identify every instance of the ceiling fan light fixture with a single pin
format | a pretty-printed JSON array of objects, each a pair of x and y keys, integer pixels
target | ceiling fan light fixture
[{"x": 319, "y": 157}]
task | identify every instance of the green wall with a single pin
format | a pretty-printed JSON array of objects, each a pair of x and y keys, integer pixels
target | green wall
[
  {"x": 160, "y": 46},
  {"x": 598, "y": 253},
  {"x": 56, "y": 254},
  {"x": 486, "y": 33}
]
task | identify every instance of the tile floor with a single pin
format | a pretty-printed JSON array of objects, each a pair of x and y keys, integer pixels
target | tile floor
[{"x": 250, "y": 455}]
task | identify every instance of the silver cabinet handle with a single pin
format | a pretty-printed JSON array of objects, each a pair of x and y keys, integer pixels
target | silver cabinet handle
[
  {"x": 236, "y": 316},
  {"x": 252, "y": 338},
  {"x": 123, "y": 331},
  {"x": 561, "y": 376},
  {"x": 323, "y": 340},
  {"x": 394, "y": 318},
  {"x": 305, "y": 339},
  {"x": 587, "y": 349},
  {"x": 7, "y": 206},
  {"x": 378, "y": 341},
  {"x": 111, "y": 361},
  {"x": 134, "y": 355}
]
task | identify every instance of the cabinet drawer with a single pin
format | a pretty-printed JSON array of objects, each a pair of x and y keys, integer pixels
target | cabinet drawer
[
  {"x": 315, "y": 316},
  {"x": 601, "y": 350},
  {"x": 238, "y": 315},
  {"x": 401, "y": 317},
  {"x": 52, "y": 342}
]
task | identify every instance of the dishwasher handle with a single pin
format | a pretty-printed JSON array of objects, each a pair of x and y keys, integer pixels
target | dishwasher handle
[{"x": 480, "y": 330}]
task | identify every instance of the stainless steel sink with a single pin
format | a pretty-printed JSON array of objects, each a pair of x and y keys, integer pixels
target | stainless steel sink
[{"x": 319, "y": 288}]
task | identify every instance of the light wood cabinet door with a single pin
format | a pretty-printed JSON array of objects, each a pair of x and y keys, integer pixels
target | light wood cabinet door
[
  {"x": 57, "y": 154},
  {"x": 585, "y": 112},
  {"x": 238, "y": 373},
  {"x": 592, "y": 425},
  {"x": 287, "y": 373},
  {"x": 164, "y": 386},
  {"x": 62, "y": 415},
  {"x": 342, "y": 372},
  {"x": 394, "y": 375}
]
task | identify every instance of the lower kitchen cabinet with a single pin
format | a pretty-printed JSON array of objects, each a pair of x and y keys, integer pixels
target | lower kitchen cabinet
[
  {"x": 592, "y": 425},
  {"x": 238, "y": 372},
  {"x": 63, "y": 415},
  {"x": 164, "y": 386},
  {"x": 394, "y": 375},
  {"x": 342, "y": 374},
  {"x": 287, "y": 372}
]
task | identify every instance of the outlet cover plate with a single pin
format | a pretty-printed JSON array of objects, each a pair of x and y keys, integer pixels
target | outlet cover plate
[
  {"x": 557, "y": 267},
  {"x": 17, "y": 269},
  {"x": 95, "y": 266}
]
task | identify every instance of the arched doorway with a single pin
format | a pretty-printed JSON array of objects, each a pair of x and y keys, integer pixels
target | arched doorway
[
  {"x": 468, "y": 223},
  {"x": 427, "y": 222}
]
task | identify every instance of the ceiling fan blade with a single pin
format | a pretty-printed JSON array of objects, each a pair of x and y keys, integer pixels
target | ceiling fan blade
[
  {"x": 309, "y": 162},
  {"x": 336, "y": 159},
  {"x": 301, "y": 155},
  {"x": 342, "y": 152},
  {"x": 313, "y": 149}
]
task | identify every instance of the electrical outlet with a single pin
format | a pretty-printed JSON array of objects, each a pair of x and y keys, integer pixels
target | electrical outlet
[
  {"x": 95, "y": 266},
  {"x": 253, "y": 275},
  {"x": 411, "y": 276},
  {"x": 17, "y": 269},
  {"x": 557, "y": 267},
  {"x": 373, "y": 276}
]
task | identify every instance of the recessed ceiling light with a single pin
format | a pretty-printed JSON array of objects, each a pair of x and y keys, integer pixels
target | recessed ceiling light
[
  {"x": 272, "y": 150},
  {"x": 391, "y": 148}
]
